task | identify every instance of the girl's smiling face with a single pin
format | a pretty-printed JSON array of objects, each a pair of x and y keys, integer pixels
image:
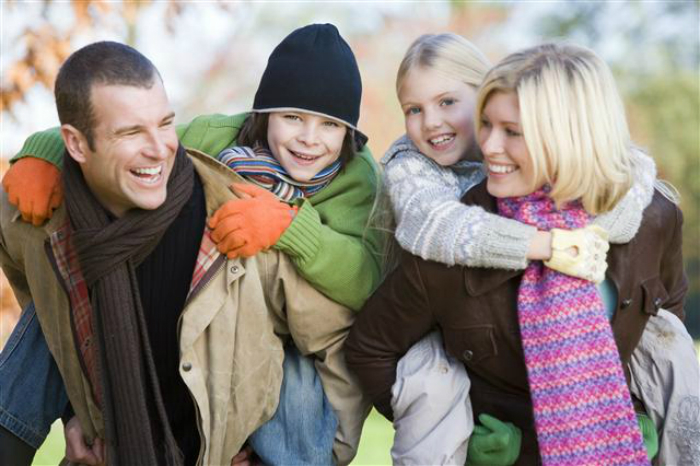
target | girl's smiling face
[
  {"x": 304, "y": 143},
  {"x": 438, "y": 113},
  {"x": 506, "y": 156}
]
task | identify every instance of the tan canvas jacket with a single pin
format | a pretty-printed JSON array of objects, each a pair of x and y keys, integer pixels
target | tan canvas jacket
[{"x": 231, "y": 358}]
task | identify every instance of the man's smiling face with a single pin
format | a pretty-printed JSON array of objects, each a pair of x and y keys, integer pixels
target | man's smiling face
[{"x": 133, "y": 149}]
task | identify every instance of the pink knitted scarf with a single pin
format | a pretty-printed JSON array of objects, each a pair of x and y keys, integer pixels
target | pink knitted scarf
[{"x": 582, "y": 406}]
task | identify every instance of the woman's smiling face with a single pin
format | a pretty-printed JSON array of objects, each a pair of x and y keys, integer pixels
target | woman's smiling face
[{"x": 506, "y": 156}]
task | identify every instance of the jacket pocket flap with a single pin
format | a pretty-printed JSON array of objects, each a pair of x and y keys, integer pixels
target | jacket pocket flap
[
  {"x": 471, "y": 344},
  {"x": 480, "y": 280},
  {"x": 654, "y": 295}
]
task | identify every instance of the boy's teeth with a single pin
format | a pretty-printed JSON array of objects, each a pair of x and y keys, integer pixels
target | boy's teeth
[
  {"x": 502, "y": 168},
  {"x": 302, "y": 156},
  {"x": 441, "y": 139}
]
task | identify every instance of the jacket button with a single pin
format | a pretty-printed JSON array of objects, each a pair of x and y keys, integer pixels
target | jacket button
[
  {"x": 468, "y": 355},
  {"x": 187, "y": 366},
  {"x": 626, "y": 303},
  {"x": 234, "y": 269},
  {"x": 657, "y": 303}
]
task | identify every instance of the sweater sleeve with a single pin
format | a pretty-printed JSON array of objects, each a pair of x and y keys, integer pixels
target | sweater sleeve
[
  {"x": 329, "y": 241},
  {"x": 208, "y": 133},
  {"x": 432, "y": 223},
  {"x": 47, "y": 145},
  {"x": 624, "y": 220}
]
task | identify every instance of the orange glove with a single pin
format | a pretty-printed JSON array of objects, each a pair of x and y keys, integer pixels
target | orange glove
[
  {"x": 244, "y": 227},
  {"x": 34, "y": 186}
]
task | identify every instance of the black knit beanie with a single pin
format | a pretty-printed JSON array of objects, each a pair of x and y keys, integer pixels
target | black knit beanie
[{"x": 313, "y": 70}]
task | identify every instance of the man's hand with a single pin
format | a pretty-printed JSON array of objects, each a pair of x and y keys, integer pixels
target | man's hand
[
  {"x": 495, "y": 443},
  {"x": 77, "y": 451},
  {"x": 244, "y": 227},
  {"x": 34, "y": 186},
  {"x": 580, "y": 253}
]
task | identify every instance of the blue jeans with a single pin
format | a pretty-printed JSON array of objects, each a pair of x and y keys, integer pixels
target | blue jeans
[
  {"x": 303, "y": 427},
  {"x": 32, "y": 395}
]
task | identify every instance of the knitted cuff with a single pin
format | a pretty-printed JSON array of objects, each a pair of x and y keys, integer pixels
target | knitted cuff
[
  {"x": 300, "y": 239},
  {"x": 503, "y": 243},
  {"x": 47, "y": 145}
]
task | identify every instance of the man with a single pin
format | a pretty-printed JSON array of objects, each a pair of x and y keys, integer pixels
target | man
[{"x": 166, "y": 348}]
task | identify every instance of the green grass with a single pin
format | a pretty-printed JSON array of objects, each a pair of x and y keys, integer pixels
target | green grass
[
  {"x": 377, "y": 436},
  {"x": 53, "y": 449}
]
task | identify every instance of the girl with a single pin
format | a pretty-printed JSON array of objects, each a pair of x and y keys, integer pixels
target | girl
[
  {"x": 552, "y": 130},
  {"x": 425, "y": 174},
  {"x": 299, "y": 145}
]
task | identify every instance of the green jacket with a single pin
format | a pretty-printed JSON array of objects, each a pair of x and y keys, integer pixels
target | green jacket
[{"x": 328, "y": 241}]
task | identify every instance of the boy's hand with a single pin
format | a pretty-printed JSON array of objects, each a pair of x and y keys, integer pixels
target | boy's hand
[
  {"x": 580, "y": 253},
  {"x": 649, "y": 435},
  {"x": 495, "y": 443},
  {"x": 245, "y": 457},
  {"x": 34, "y": 186},
  {"x": 244, "y": 227}
]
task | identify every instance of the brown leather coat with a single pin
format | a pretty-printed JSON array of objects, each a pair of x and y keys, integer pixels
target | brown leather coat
[{"x": 475, "y": 309}]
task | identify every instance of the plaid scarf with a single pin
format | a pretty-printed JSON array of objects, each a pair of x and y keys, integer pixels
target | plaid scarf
[
  {"x": 582, "y": 406},
  {"x": 259, "y": 166},
  {"x": 136, "y": 424}
]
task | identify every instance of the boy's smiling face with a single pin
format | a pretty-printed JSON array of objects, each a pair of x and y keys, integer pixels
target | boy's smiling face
[{"x": 304, "y": 143}]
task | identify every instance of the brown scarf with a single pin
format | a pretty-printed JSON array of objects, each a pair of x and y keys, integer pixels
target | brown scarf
[{"x": 136, "y": 424}]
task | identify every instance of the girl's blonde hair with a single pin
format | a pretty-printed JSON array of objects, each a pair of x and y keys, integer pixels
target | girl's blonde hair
[
  {"x": 573, "y": 121},
  {"x": 447, "y": 53}
]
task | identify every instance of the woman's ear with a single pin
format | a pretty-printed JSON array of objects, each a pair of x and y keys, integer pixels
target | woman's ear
[{"x": 76, "y": 143}]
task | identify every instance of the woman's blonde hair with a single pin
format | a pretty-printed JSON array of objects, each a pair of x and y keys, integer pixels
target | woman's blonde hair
[
  {"x": 447, "y": 53},
  {"x": 573, "y": 121}
]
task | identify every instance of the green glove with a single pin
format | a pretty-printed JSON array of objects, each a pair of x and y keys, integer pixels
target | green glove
[
  {"x": 494, "y": 443},
  {"x": 651, "y": 438}
]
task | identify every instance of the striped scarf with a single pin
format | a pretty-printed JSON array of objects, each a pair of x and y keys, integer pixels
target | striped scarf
[
  {"x": 582, "y": 406},
  {"x": 258, "y": 165}
]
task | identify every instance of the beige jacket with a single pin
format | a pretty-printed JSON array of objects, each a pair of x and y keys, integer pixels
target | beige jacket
[{"x": 231, "y": 358}]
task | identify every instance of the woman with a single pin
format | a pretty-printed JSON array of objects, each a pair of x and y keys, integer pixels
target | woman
[{"x": 552, "y": 129}]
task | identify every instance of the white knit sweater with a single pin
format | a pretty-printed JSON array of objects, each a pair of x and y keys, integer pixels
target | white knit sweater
[{"x": 432, "y": 223}]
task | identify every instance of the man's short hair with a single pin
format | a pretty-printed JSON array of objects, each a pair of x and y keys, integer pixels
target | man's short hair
[{"x": 101, "y": 63}]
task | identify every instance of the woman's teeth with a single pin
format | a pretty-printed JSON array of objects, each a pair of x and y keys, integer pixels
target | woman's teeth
[
  {"x": 444, "y": 139},
  {"x": 502, "y": 168}
]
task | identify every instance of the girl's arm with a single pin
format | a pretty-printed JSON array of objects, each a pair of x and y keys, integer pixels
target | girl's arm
[
  {"x": 329, "y": 241},
  {"x": 624, "y": 220},
  {"x": 433, "y": 224}
]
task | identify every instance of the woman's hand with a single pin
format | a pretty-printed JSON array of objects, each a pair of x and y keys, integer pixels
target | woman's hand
[
  {"x": 494, "y": 443},
  {"x": 580, "y": 253},
  {"x": 244, "y": 227}
]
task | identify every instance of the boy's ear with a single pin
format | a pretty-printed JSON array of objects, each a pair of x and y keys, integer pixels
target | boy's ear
[{"x": 76, "y": 143}]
